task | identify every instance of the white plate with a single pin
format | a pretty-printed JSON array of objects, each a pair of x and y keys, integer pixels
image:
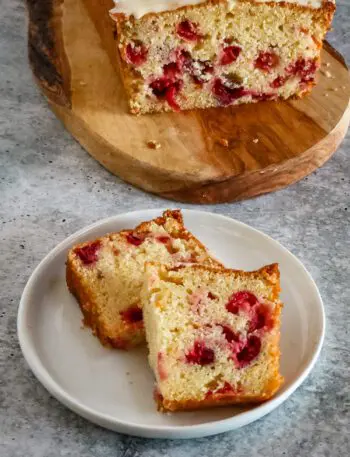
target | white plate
[{"x": 94, "y": 382}]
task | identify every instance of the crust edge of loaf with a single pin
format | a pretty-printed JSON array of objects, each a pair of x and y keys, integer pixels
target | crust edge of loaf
[
  {"x": 86, "y": 302},
  {"x": 271, "y": 275},
  {"x": 90, "y": 314}
]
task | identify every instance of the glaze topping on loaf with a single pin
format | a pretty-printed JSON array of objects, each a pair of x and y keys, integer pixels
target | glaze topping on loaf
[{"x": 139, "y": 8}]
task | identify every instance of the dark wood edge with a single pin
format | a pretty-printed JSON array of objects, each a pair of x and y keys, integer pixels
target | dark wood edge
[
  {"x": 218, "y": 191},
  {"x": 46, "y": 51},
  {"x": 248, "y": 185},
  {"x": 334, "y": 53},
  {"x": 272, "y": 178}
]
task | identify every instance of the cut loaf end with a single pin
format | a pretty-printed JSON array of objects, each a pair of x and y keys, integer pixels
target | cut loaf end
[
  {"x": 106, "y": 274},
  {"x": 213, "y": 335},
  {"x": 221, "y": 53}
]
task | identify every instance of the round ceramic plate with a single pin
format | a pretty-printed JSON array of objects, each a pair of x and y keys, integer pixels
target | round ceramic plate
[{"x": 115, "y": 388}]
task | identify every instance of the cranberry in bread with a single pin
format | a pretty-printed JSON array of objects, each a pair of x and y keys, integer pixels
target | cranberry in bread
[
  {"x": 212, "y": 334},
  {"x": 106, "y": 274}
]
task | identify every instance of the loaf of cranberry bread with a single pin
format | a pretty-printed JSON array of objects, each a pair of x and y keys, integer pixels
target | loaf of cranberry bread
[
  {"x": 106, "y": 274},
  {"x": 185, "y": 54},
  {"x": 213, "y": 334}
]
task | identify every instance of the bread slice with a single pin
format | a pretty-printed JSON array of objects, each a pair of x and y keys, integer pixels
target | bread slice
[
  {"x": 213, "y": 334},
  {"x": 106, "y": 274},
  {"x": 214, "y": 53}
]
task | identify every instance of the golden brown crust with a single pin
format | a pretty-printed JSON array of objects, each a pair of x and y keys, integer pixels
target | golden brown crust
[
  {"x": 270, "y": 274},
  {"x": 182, "y": 233},
  {"x": 161, "y": 220},
  {"x": 228, "y": 399},
  {"x": 75, "y": 288}
]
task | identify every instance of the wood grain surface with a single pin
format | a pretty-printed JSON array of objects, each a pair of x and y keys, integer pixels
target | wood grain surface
[{"x": 269, "y": 145}]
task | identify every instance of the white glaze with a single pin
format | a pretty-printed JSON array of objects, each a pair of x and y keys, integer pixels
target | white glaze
[
  {"x": 139, "y": 8},
  {"x": 310, "y": 3}
]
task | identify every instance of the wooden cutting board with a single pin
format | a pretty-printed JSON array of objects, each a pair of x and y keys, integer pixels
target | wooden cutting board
[{"x": 270, "y": 144}]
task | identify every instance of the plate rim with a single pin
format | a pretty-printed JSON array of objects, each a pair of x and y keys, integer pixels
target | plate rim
[{"x": 159, "y": 431}]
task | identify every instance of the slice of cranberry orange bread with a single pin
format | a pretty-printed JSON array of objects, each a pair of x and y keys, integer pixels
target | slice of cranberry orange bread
[
  {"x": 106, "y": 274},
  {"x": 185, "y": 54},
  {"x": 213, "y": 334}
]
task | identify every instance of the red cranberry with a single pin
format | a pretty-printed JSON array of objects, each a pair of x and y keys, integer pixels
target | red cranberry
[
  {"x": 183, "y": 58},
  {"x": 167, "y": 88},
  {"x": 226, "y": 95},
  {"x": 266, "y": 61},
  {"x": 261, "y": 319},
  {"x": 211, "y": 296},
  {"x": 132, "y": 315},
  {"x": 172, "y": 70},
  {"x": 230, "y": 54},
  {"x": 188, "y": 31},
  {"x": 136, "y": 53},
  {"x": 88, "y": 254},
  {"x": 241, "y": 300},
  {"x": 160, "y": 86},
  {"x": 226, "y": 388},
  {"x": 229, "y": 334},
  {"x": 163, "y": 239},
  {"x": 263, "y": 97},
  {"x": 171, "y": 97},
  {"x": 250, "y": 351},
  {"x": 305, "y": 68},
  {"x": 200, "y": 354},
  {"x": 135, "y": 239},
  {"x": 183, "y": 61},
  {"x": 176, "y": 214},
  {"x": 278, "y": 82}
]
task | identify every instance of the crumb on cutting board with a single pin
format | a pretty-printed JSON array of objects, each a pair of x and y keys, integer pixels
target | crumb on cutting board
[{"x": 153, "y": 144}]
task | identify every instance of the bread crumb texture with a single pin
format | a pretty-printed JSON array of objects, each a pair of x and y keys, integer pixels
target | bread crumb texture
[
  {"x": 106, "y": 274},
  {"x": 220, "y": 53},
  {"x": 213, "y": 334}
]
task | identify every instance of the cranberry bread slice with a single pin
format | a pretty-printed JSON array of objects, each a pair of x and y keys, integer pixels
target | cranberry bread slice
[
  {"x": 212, "y": 334},
  {"x": 106, "y": 274},
  {"x": 218, "y": 52}
]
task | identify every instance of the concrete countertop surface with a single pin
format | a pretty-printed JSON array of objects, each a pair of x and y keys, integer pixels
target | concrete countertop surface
[{"x": 50, "y": 187}]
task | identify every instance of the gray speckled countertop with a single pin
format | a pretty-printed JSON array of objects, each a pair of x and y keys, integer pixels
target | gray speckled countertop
[{"x": 50, "y": 187}]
